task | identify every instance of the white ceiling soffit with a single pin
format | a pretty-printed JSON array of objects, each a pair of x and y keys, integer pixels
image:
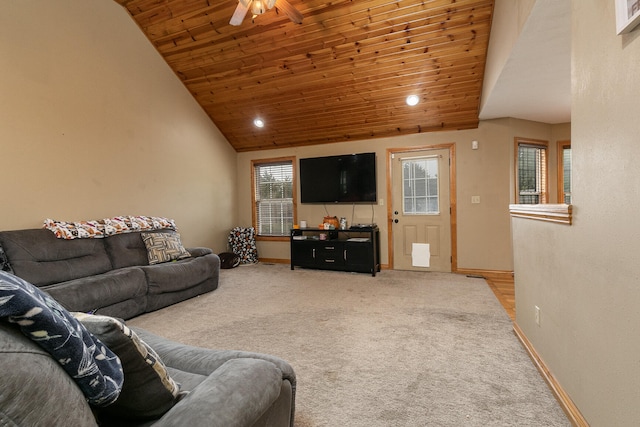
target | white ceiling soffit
[{"x": 535, "y": 82}]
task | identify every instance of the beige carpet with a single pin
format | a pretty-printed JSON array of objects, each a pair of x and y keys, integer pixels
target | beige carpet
[{"x": 399, "y": 349}]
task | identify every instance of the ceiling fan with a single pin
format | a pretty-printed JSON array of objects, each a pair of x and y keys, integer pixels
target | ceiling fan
[{"x": 258, "y": 7}]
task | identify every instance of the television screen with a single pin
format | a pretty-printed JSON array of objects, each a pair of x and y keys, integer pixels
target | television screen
[{"x": 349, "y": 178}]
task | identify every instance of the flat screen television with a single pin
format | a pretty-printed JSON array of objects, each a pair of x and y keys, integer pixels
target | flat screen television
[{"x": 349, "y": 178}]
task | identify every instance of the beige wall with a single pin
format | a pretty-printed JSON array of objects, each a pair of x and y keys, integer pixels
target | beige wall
[
  {"x": 94, "y": 124},
  {"x": 484, "y": 234},
  {"x": 586, "y": 277}
]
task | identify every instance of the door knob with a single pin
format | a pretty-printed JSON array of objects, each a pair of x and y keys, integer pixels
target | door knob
[
  {"x": 395, "y": 213},
  {"x": 395, "y": 220}
]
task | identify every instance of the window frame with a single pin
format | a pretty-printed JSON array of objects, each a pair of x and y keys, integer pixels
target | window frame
[
  {"x": 544, "y": 193},
  {"x": 562, "y": 145},
  {"x": 254, "y": 201}
]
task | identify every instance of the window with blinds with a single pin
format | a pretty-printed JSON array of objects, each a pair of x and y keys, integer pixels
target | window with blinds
[
  {"x": 564, "y": 172},
  {"x": 273, "y": 183},
  {"x": 531, "y": 172}
]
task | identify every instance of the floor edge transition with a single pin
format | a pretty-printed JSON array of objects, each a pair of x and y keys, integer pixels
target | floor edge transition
[{"x": 570, "y": 409}]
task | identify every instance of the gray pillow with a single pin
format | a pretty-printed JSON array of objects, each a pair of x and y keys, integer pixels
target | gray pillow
[{"x": 148, "y": 390}]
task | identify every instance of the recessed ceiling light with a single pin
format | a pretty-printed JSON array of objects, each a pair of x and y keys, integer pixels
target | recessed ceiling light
[
  {"x": 413, "y": 100},
  {"x": 259, "y": 123}
]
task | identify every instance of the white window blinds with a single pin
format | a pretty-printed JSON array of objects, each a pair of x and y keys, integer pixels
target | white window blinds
[{"x": 273, "y": 198}]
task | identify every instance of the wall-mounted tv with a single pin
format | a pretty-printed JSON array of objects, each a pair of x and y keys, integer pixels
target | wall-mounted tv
[{"x": 349, "y": 178}]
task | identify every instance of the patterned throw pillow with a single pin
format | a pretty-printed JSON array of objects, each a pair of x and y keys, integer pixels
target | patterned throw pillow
[
  {"x": 243, "y": 243},
  {"x": 92, "y": 365},
  {"x": 164, "y": 247},
  {"x": 148, "y": 390}
]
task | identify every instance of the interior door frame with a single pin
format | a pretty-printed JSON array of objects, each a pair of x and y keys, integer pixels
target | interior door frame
[{"x": 452, "y": 198}]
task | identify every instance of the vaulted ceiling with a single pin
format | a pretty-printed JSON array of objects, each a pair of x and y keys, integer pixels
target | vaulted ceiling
[{"x": 342, "y": 74}]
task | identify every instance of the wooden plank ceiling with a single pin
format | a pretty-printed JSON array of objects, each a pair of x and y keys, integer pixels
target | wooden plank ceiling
[{"x": 341, "y": 75}]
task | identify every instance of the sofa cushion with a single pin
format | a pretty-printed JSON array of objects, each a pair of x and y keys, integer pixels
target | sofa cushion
[
  {"x": 4, "y": 262},
  {"x": 127, "y": 250},
  {"x": 29, "y": 375},
  {"x": 181, "y": 275},
  {"x": 164, "y": 247},
  {"x": 94, "y": 368},
  {"x": 91, "y": 293},
  {"x": 40, "y": 258},
  {"x": 238, "y": 393},
  {"x": 148, "y": 390}
]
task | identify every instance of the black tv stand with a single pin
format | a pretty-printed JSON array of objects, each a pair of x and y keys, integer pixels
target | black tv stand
[
  {"x": 363, "y": 227},
  {"x": 354, "y": 249}
]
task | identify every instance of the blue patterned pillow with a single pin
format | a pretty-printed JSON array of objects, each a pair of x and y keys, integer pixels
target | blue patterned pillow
[{"x": 94, "y": 367}]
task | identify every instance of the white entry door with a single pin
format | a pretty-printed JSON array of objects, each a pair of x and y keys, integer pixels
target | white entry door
[{"x": 421, "y": 215}]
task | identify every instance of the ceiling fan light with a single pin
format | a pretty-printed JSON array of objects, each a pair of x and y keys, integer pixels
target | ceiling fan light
[
  {"x": 245, "y": 3},
  {"x": 270, "y": 3},
  {"x": 259, "y": 123},
  {"x": 258, "y": 7},
  {"x": 413, "y": 100}
]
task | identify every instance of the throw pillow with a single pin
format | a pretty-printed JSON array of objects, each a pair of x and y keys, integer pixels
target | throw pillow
[
  {"x": 4, "y": 262},
  {"x": 243, "y": 242},
  {"x": 90, "y": 363},
  {"x": 148, "y": 390},
  {"x": 164, "y": 247}
]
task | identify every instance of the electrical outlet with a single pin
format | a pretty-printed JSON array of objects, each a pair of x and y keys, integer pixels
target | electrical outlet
[{"x": 537, "y": 310}]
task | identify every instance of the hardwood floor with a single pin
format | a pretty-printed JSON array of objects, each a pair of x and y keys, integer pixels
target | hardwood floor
[{"x": 502, "y": 286}]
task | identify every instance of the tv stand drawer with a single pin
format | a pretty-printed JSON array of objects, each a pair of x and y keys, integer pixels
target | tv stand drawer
[{"x": 330, "y": 254}]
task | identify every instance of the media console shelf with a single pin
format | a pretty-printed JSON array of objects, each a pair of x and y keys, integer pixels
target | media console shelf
[{"x": 353, "y": 249}]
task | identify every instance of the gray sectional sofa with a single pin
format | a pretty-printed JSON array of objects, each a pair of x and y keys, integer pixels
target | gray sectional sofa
[
  {"x": 110, "y": 275},
  {"x": 225, "y": 388}
]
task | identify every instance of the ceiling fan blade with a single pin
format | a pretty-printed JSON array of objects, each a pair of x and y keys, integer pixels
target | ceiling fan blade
[
  {"x": 291, "y": 11},
  {"x": 240, "y": 12}
]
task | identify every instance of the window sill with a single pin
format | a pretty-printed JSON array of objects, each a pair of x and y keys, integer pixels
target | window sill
[
  {"x": 274, "y": 238},
  {"x": 559, "y": 213}
]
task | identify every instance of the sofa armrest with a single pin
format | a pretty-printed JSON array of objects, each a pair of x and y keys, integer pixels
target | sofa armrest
[
  {"x": 236, "y": 394},
  {"x": 203, "y": 361},
  {"x": 196, "y": 252}
]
